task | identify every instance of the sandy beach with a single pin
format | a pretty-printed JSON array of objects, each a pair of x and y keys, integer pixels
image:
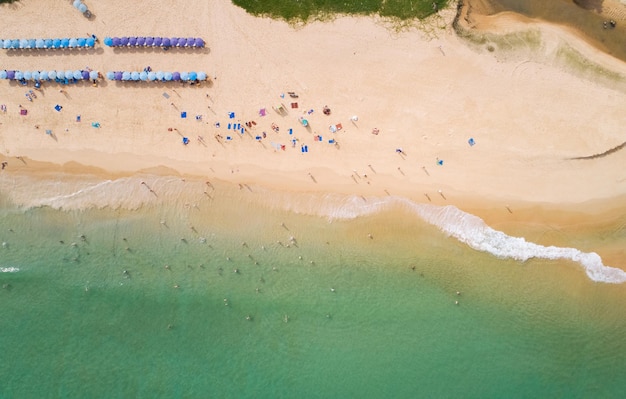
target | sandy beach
[{"x": 533, "y": 124}]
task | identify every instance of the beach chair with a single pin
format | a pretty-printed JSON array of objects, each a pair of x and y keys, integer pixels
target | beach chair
[
  {"x": 95, "y": 124},
  {"x": 77, "y": 118}
]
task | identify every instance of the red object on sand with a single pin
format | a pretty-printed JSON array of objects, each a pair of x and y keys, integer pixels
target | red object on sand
[
  {"x": 294, "y": 105},
  {"x": 23, "y": 112}
]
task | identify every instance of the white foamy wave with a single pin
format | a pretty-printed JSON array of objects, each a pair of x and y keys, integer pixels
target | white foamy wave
[
  {"x": 9, "y": 269},
  {"x": 467, "y": 228}
]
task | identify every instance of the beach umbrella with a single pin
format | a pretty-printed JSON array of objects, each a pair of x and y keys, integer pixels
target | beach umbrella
[
  {"x": 157, "y": 42},
  {"x": 56, "y": 43},
  {"x": 159, "y": 75},
  {"x": 35, "y": 75},
  {"x": 143, "y": 75},
  {"x": 123, "y": 41},
  {"x": 90, "y": 42},
  {"x": 27, "y": 75},
  {"x": 76, "y": 3},
  {"x": 132, "y": 41},
  {"x": 141, "y": 41},
  {"x": 181, "y": 42},
  {"x": 39, "y": 43},
  {"x": 118, "y": 75},
  {"x": 201, "y": 75},
  {"x": 73, "y": 42},
  {"x": 115, "y": 42},
  {"x": 184, "y": 76},
  {"x": 69, "y": 74},
  {"x": 82, "y": 7},
  {"x": 52, "y": 75},
  {"x": 110, "y": 75},
  {"x": 81, "y": 42},
  {"x": 167, "y": 76},
  {"x": 60, "y": 74},
  {"x": 193, "y": 76},
  {"x": 134, "y": 75},
  {"x": 15, "y": 43},
  {"x": 77, "y": 75},
  {"x": 18, "y": 75},
  {"x": 65, "y": 42},
  {"x": 84, "y": 75},
  {"x": 47, "y": 43},
  {"x": 125, "y": 75},
  {"x": 174, "y": 41},
  {"x": 198, "y": 42},
  {"x": 1, "y": 43},
  {"x": 149, "y": 41},
  {"x": 191, "y": 42},
  {"x": 43, "y": 75},
  {"x": 151, "y": 76},
  {"x": 3, "y": 74},
  {"x": 108, "y": 41},
  {"x": 10, "y": 74},
  {"x": 176, "y": 76},
  {"x": 166, "y": 42},
  {"x": 93, "y": 75},
  {"x": 32, "y": 43},
  {"x": 23, "y": 43},
  {"x": 6, "y": 44}
]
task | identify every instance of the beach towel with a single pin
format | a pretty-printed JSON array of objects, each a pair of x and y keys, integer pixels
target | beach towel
[
  {"x": 294, "y": 105},
  {"x": 183, "y": 114},
  {"x": 77, "y": 118},
  {"x": 95, "y": 124},
  {"x": 262, "y": 112},
  {"x": 23, "y": 112},
  {"x": 166, "y": 95},
  {"x": 58, "y": 108},
  {"x": 185, "y": 140},
  {"x": 231, "y": 115}
]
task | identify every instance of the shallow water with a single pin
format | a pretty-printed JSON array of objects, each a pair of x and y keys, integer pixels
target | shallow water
[
  {"x": 584, "y": 18},
  {"x": 75, "y": 324}
]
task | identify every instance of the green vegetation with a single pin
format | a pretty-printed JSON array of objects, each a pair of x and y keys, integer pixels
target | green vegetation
[
  {"x": 583, "y": 65},
  {"x": 7, "y": 1},
  {"x": 306, "y": 10}
]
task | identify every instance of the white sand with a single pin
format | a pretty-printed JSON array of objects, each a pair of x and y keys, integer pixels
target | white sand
[{"x": 427, "y": 96}]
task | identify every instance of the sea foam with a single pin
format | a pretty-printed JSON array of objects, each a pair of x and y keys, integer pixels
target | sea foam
[
  {"x": 9, "y": 269},
  {"x": 465, "y": 227}
]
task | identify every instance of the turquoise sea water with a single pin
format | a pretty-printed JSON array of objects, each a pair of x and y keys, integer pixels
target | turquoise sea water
[{"x": 141, "y": 299}]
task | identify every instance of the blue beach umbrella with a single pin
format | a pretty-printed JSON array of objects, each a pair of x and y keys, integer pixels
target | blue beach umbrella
[
  {"x": 10, "y": 75},
  {"x": 151, "y": 76},
  {"x": 23, "y": 43},
  {"x": 134, "y": 75},
  {"x": 6, "y": 44},
  {"x": 81, "y": 42},
  {"x": 43, "y": 75},
  {"x": 69, "y": 74},
  {"x": 118, "y": 75},
  {"x": 166, "y": 42},
  {"x": 3, "y": 74},
  {"x": 93, "y": 75},
  {"x": 149, "y": 41},
  {"x": 115, "y": 42},
  {"x": 1, "y": 42},
  {"x": 157, "y": 41},
  {"x": 124, "y": 41},
  {"x": 167, "y": 76},
  {"x": 15, "y": 43},
  {"x": 132, "y": 41},
  {"x": 56, "y": 43},
  {"x": 65, "y": 42},
  {"x": 35, "y": 75},
  {"x": 32, "y": 43},
  {"x": 52, "y": 75},
  {"x": 77, "y": 75},
  {"x": 143, "y": 75},
  {"x": 76, "y": 3},
  {"x": 176, "y": 76},
  {"x": 160, "y": 75},
  {"x": 201, "y": 75},
  {"x": 82, "y": 7},
  {"x": 108, "y": 41},
  {"x": 181, "y": 42},
  {"x": 90, "y": 42},
  {"x": 27, "y": 75},
  {"x": 141, "y": 41},
  {"x": 184, "y": 76},
  {"x": 47, "y": 43},
  {"x": 191, "y": 41},
  {"x": 84, "y": 75},
  {"x": 19, "y": 75},
  {"x": 125, "y": 75},
  {"x": 193, "y": 76},
  {"x": 39, "y": 43},
  {"x": 174, "y": 41},
  {"x": 110, "y": 75},
  {"x": 73, "y": 43}
]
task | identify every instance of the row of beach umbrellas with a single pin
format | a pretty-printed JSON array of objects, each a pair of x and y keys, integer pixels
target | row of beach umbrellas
[
  {"x": 153, "y": 42},
  {"x": 157, "y": 76},
  {"x": 49, "y": 75},
  {"x": 80, "y": 42}
]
